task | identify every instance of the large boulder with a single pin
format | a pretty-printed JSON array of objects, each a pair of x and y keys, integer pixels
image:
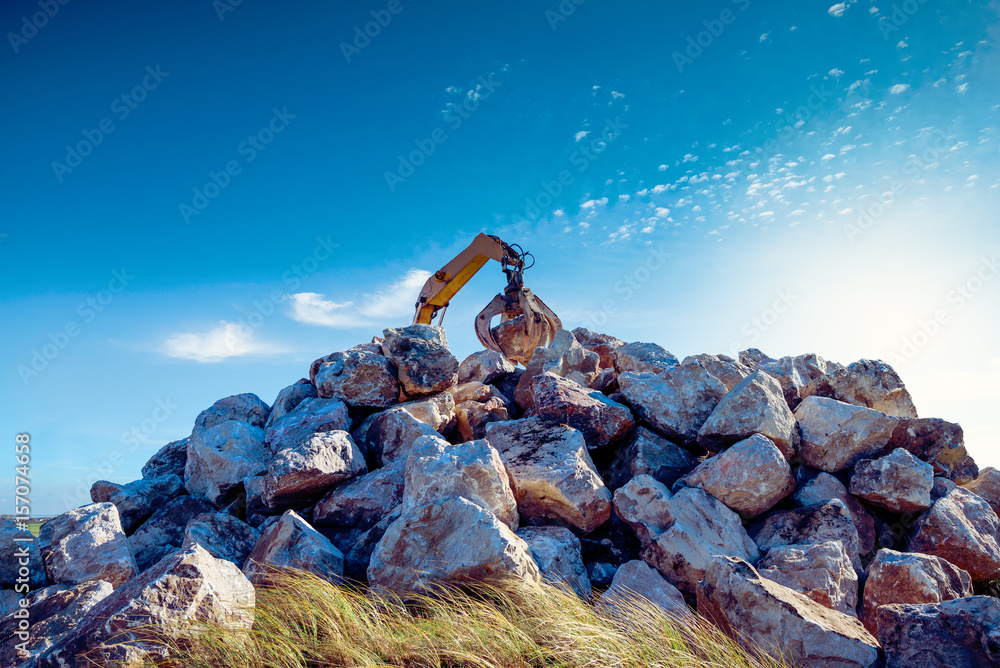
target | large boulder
[
  {"x": 361, "y": 377},
  {"x": 870, "y": 383},
  {"x": 835, "y": 434},
  {"x": 305, "y": 472},
  {"x": 551, "y": 473},
  {"x": 647, "y": 453},
  {"x": 681, "y": 533},
  {"x": 636, "y": 581},
  {"x": 750, "y": 477},
  {"x": 52, "y": 613},
  {"x": 126, "y": 627},
  {"x": 164, "y": 531},
  {"x": 246, "y": 408},
  {"x": 961, "y": 633},
  {"x": 436, "y": 471},
  {"x": 602, "y": 344},
  {"x": 289, "y": 398},
  {"x": 564, "y": 357},
  {"x": 361, "y": 503},
  {"x": 677, "y": 402},
  {"x": 170, "y": 459},
  {"x": 311, "y": 416},
  {"x": 782, "y": 622},
  {"x": 817, "y": 523},
  {"x": 824, "y": 487},
  {"x": 436, "y": 411},
  {"x": 754, "y": 406},
  {"x": 820, "y": 571},
  {"x": 455, "y": 541},
  {"x": 137, "y": 500},
  {"x": 473, "y": 416},
  {"x": 939, "y": 443},
  {"x": 17, "y": 544},
  {"x": 220, "y": 457},
  {"x": 86, "y": 544},
  {"x": 600, "y": 420},
  {"x": 389, "y": 435},
  {"x": 723, "y": 367},
  {"x": 962, "y": 528},
  {"x": 291, "y": 542},
  {"x": 795, "y": 373},
  {"x": 639, "y": 357},
  {"x": 898, "y": 482},
  {"x": 557, "y": 552},
  {"x": 898, "y": 577},
  {"x": 485, "y": 366},
  {"x": 422, "y": 359},
  {"x": 987, "y": 487},
  {"x": 224, "y": 536}
]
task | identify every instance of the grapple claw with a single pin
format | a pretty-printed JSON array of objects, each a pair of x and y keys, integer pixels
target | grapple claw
[{"x": 499, "y": 305}]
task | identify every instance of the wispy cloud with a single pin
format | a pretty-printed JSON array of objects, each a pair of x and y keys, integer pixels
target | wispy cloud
[
  {"x": 396, "y": 300},
  {"x": 838, "y": 9},
  {"x": 229, "y": 339},
  {"x": 899, "y": 88},
  {"x": 581, "y": 135}
]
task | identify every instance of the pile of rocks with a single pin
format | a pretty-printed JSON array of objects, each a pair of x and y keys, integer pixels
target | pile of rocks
[{"x": 798, "y": 503}]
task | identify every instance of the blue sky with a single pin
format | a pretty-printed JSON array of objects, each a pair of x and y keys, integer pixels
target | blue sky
[{"x": 201, "y": 198}]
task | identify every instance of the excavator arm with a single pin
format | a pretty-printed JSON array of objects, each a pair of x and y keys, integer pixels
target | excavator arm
[{"x": 540, "y": 323}]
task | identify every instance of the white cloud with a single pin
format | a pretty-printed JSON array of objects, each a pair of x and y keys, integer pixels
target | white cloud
[
  {"x": 624, "y": 198},
  {"x": 689, "y": 158},
  {"x": 961, "y": 88},
  {"x": 836, "y": 72},
  {"x": 310, "y": 308},
  {"x": 662, "y": 168},
  {"x": 659, "y": 188},
  {"x": 838, "y": 9},
  {"x": 615, "y": 94},
  {"x": 828, "y": 156},
  {"x": 765, "y": 37},
  {"x": 229, "y": 339},
  {"x": 899, "y": 88},
  {"x": 902, "y": 44},
  {"x": 398, "y": 299},
  {"x": 591, "y": 203},
  {"x": 395, "y": 301},
  {"x": 579, "y": 136}
]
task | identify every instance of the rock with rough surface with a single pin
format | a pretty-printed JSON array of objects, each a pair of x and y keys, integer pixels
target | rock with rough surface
[
  {"x": 362, "y": 502},
  {"x": 961, "y": 633},
  {"x": 437, "y": 411},
  {"x": 782, "y": 622},
  {"x": 12, "y": 551},
  {"x": 391, "y": 434},
  {"x": 436, "y": 471},
  {"x": 289, "y": 398},
  {"x": 723, "y": 367},
  {"x": 898, "y": 482},
  {"x": 423, "y": 362},
  {"x": 817, "y": 523},
  {"x": 639, "y": 357},
  {"x": 602, "y": 344},
  {"x": 754, "y": 406},
  {"x": 677, "y": 402},
  {"x": 637, "y": 581},
  {"x": 750, "y": 477},
  {"x": 564, "y": 357},
  {"x": 305, "y": 472},
  {"x": 247, "y": 408},
  {"x": 869, "y": 383},
  {"x": 753, "y": 357},
  {"x": 825, "y": 487},
  {"x": 220, "y": 457},
  {"x": 647, "y": 453},
  {"x": 962, "y": 528},
  {"x": 835, "y": 435},
  {"x": 291, "y": 542},
  {"x": 644, "y": 504},
  {"x": 987, "y": 487},
  {"x": 224, "y": 536},
  {"x": 795, "y": 373},
  {"x": 556, "y": 551},
  {"x": 189, "y": 586},
  {"x": 360, "y": 377},
  {"x": 939, "y": 443},
  {"x": 86, "y": 544},
  {"x": 137, "y": 500},
  {"x": 170, "y": 459},
  {"x": 311, "y": 416},
  {"x": 898, "y": 577},
  {"x": 821, "y": 571},
  {"x": 164, "y": 531},
  {"x": 473, "y": 416},
  {"x": 485, "y": 366},
  {"x": 551, "y": 473},
  {"x": 600, "y": 420},
  {"x": 453, "y": 542}
]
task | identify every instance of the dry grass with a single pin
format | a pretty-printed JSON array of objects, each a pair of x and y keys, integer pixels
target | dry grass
[{"x": 302, "y": 621}]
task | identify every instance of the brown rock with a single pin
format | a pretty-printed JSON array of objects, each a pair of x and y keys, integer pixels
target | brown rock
[
  {"x": 600, "y": 420},
  {"x": 551, "y": 473},
  {"x": 753, "y": 357},
  {"x": 835, "y": 435},
  {"x": 473, "y": 416},
  {"x": 676, "y": 402},
  {"x": 821, "y": 571},
  {"x": 795, "y": 373},
  {"x": 813, "y": 524},
  {"x": 754, "y": 406},
  {"x": 484, "y": 366},
  {"x": 870, "y": 383},
  {"x": 360, "y": 377},
  {"x": 723, "y": 367},
  {"x": 825, "y": 487},
  {"x": 602, "y": 344},
  {"x": 564, "y": 357},
  {"x": 644, "y": 504},
  {"x": 898, "y": 482},
  {"x": 987, "y": 487},
  {"x": 963, "y": 529},
  {"x": 437, "y": 411},
  {"x": 423, "y": 361},
  {"x": 291, "y": 542},
  {"x": 86, "y": 544},
  {"x": 938, "y": 443},
  {"x": 783, "y": 622},
  {"x": 897, "y": 577},
  {"x": 750, "y": 477},
  {"x": 961, "y": 633}
]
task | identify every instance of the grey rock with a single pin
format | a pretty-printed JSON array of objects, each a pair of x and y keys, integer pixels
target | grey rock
[
  {"x": 647, "y": 453},
  {"x": 636, "y": 581},
  {"x": 795, "y": 373},
  {"x": 220, "y": 457},
  {"x": 291, "y": 542},
  {"x": 224, "y": 536},
  {"x": 962, "y": 633},
  {"x": 825, "y": 487},
  {"x": 677, "y": 402},
  {"x": 168, "y": 460},
  {"x": 484, "y": 366},
  {"x": 422, "y": 359},
  {"x": 311, "y": 416},
  {"x": 962, "y": 528},
  {"x": 602, "y": 344},
  {"x": 288, "y": 400},
  {"x": 870, "y": 383},
  {"x": 303, "y": 473},
  {"x": 754, "y": 406},
  {"x": 987, "y": 487},
  {"x": 819, "y": 523},
  {"x": 360, "y": 377},
  {"x": 939, "y": 443},
  {"x": 898, "y": 482},
  {"x": 723, "y": 367},
  {"x": 164, "y": 531},
  {"x": 137, "y": 500},
  {"x": 835, "y": 435},
  {"x": 600, "y": 420},
  {"x": 820, "y": 571},
  {"x": 86, "y": 544},
  {"x": 246, "y": 408},
  {"x": 362, "y": 502},
  {"x": 13, "y": 544},
  {"x": 557, "y": 552},
  {"x": 564, "y": 357},
  {"x": 639, "y": 357}
]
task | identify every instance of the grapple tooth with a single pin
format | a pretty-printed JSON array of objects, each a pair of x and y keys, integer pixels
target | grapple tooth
[
  {"x": 497, "y": 306},
  {"x": 552, "y": 320}
]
